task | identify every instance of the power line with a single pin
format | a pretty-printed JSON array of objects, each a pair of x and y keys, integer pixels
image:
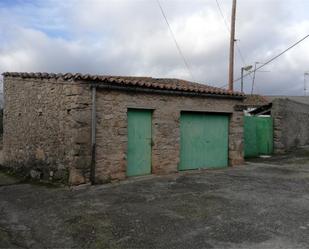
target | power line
[
  {"x": 229, "y": 31},
  {"x": 275, "y": 57},
  {"x": 240, "y": 54},
  {"x": 272, "y": 59},
  {"x": 175, "y": 40},
  {"x": 223, "y": 17}
]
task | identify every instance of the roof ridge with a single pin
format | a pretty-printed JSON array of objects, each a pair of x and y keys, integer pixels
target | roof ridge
[{"x": 171, "y": 84}]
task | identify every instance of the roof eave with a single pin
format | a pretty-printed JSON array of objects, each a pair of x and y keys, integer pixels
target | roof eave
[
  {"x": 165, "y": 91},
  {"x": 122, "y": 84}
]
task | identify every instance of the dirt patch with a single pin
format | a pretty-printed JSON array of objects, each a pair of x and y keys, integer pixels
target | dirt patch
[
  {"x": 277, "y": 170},
  {"x": 239, "y": 232},
  {"x": 91, "y": 231}
]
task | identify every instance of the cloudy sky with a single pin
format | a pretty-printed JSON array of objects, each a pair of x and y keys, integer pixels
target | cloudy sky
[{"x": 130, "y": 37}]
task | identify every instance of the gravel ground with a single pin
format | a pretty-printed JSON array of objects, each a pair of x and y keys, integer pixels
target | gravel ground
[{"x": 264, "y": 204}]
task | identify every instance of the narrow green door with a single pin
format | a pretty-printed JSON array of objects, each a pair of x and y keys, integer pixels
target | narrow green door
[
  {"x": 139, "y": 142},
  {"x": 258, "y": 136},
  {"x": 204, "y": 141},
  {"x": 250, "y": 137},
  {"x": 265, "y": 135}
]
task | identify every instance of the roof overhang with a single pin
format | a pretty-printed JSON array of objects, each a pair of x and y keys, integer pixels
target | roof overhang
[{"x": 164, "y": 91}]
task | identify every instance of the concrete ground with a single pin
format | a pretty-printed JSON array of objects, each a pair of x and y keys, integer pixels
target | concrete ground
[{"x": 264, "y": 204}]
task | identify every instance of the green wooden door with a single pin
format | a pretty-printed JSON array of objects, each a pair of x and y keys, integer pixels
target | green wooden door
[
  {"x": 265, "y": 135},
  {"x": 250, "y": 137},
  {"x": 139, "y": 142},
  {"x": 258, "y": 136},
  {"x": 204, "y": 141}
]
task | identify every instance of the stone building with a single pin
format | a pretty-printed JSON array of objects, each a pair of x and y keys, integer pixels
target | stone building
[
  {"x": 79, "y": 128},
  {"x": 290, "y": 122}
]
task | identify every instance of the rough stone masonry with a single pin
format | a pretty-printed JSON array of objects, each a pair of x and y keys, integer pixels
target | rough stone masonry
[
  {"x": 47, "y": 123},
  {"x": 291, "y": 122}
]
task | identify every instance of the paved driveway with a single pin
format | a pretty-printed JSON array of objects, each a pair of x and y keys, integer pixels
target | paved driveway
[{"x": 264, "y": 204}]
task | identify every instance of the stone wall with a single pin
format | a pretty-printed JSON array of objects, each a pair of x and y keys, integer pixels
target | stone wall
[
  {"x": 291, "y": 122},
  {"x": 78, "y": 132},
  {"x": 112, "y": 129},
  {"x": 47, "y": 128},
  {"x": 43, "y": 121}
]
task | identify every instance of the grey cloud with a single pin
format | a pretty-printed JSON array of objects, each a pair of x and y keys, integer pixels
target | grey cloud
[{"x": 130, "y": 37}]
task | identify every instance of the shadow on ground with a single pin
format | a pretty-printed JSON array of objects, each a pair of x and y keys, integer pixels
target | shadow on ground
[{"x": 261, "y": 205}]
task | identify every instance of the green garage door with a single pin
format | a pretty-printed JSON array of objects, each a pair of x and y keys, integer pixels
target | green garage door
[
  {"x": 204, "y": 141},
  {"x": 139, "y": 142}
]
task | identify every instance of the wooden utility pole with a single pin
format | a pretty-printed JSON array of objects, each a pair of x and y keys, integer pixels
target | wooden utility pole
[{"x": 232, "y": 43}]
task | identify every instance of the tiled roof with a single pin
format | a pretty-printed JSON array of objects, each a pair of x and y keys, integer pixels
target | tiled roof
[{"x": 143, "y": 82}]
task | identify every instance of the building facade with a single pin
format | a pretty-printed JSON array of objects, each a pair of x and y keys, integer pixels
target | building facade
[{"x": 79, "y": 128}]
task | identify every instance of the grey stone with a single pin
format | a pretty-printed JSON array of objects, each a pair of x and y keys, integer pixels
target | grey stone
[{"x": 35, "y": 174}]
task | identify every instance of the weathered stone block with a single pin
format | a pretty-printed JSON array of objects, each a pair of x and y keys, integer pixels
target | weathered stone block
[{"x": 76, "y": 177}]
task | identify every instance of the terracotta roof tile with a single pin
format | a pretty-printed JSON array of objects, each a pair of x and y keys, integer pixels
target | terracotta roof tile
[{"x": 147, "y": 82}]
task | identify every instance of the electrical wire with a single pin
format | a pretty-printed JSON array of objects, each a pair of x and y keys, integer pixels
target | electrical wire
[
  {"x": 223, "y": 17},
  {"x": 240, "y": 54},
  {"x": 175, "y": 40},
  {"x": 229, "y": 32},
  {"x": 270, "y": 60},
  {"x": 275, "y": 57}
]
